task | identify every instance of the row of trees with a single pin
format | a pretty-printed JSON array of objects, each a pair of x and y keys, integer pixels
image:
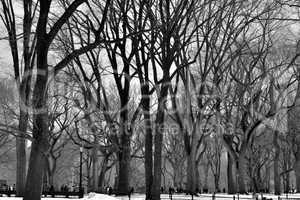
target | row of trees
[{"x": 103, "y": 73}]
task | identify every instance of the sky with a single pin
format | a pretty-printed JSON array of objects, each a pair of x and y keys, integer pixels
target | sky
[
  {"x": 6, "y": 69},
  {"x": 5, "y": 60}
]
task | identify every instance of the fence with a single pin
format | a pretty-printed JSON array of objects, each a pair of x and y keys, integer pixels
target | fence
[
  {"x": 217, "y": 197},
  {"x": 52, "y": 194}
]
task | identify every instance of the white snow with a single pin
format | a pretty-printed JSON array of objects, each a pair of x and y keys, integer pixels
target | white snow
[
  {"x": 95, "y": 196},
  {"x": 90, "y": 196}
]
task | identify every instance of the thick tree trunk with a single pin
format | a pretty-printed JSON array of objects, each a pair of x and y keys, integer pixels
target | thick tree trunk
[
  {"x": 40, "y": 144},
  {"x": 124, "y": 165},
  {"x": 230, "y": 177},
  {"x": 21, "y": 154},
  {"x": 37, "y": 160},
  {"x": 276, "y": 164},
  {"x": 103, "y": 171},
  {"x": 148, "y": 147},
  {"x": 294, "y": 130},
  {"x": 205, "y": 181},
  {"x": 241, "y": 173},
  {"x": 191, "y": 172},
  {"x": 158, "y": 139},
  {"x": 51, "y": 178},
  {"x": 124, "y": 145},
  {"x": 36, "y": 168}
]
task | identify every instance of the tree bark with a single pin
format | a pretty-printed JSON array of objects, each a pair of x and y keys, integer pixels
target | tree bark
[
  {"x": 158, "y": 138},
  {"x": 51, "y": 178},
  {"x": 287, "y": 183},
  {"x": 230, "y": 178},
  {"x": 297, "y": 170},
  {"x": 124, "y": 165},
  {"x": 206, "y": 170},
  {"x": 40, "y": 133},
  {"x": 39, "y": 147},
  {"x": 95, "y": 168},
  {"x": 191, "y": 171},
  {"x": 33, "y": 189},
  {"x": 197, "y": 176},
  {"x": 40, "y": 143},
  {"x": 241, "y": 173},
  {"x": 276, "y": 164},
  {"x": 145, "y": 102},
  {"x": 294, "y": 129},
  {"x": 21, "y": 154},
  {"x": 148, "y": 151}
]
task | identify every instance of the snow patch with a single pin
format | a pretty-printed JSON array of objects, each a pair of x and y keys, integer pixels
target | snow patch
[{"x": 95, "y": 196}]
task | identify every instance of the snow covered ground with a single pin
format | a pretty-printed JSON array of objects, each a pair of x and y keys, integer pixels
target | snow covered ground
[{"x": 94, "y": 196}]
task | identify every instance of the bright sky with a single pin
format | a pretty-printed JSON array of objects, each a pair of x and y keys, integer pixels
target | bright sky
[{"x": 5, "y": 58}]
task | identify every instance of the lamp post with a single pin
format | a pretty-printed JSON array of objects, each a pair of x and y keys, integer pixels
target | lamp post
[{"x": 80, "y": 172}]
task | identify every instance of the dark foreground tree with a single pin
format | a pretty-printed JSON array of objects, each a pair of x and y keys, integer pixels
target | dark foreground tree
[{"x": 40, "y": 143}]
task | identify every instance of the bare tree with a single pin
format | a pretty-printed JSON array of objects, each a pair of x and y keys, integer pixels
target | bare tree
[
  {"x": 22, "y": 67},
  {"x": 44, "y": 39},
  {"x": 213, "y": 155}
]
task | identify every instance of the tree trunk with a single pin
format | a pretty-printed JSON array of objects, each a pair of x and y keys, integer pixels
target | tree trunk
[
  {"x": 124, "y": 165},
  {"x": 198, "y": 183},
  {"x": 88, "y": 173},
  {"x": 230, "y": 178},
  {"x": 101, "y": 180},
  {"x": 124, "y": 146},
  {"x": 241, "y": 173},
  {"x": 216, "y": 179},
  {"x": 40, "y": 144},
  {"x": 104, "y": 168},
  {"x": 95, "y": 168},
  {"x": 297, "y": 170},
  {"x": 205, "y": 181},
  {"x": 21, "y": 154},
  {"x": 287, "y": 176},
  {"x": 50, "y": 168},
  {"x": 51, "y": 178},
  {"x": 294, "y": 129},
  {"x": 267, "y": 178},
  {"x": 191, "y": 172},
  {"x": 148, "y": 147},
  {"x": 116, "y": 181},
  {"x": 158, "y": 139},
  {"x": 287, "y": 183},
  {"x": 276, "y": 164},
  {"x": 33, "y": 189}
]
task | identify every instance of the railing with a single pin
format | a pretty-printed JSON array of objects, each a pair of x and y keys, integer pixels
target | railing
[{"x": 52, "y": 194}]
